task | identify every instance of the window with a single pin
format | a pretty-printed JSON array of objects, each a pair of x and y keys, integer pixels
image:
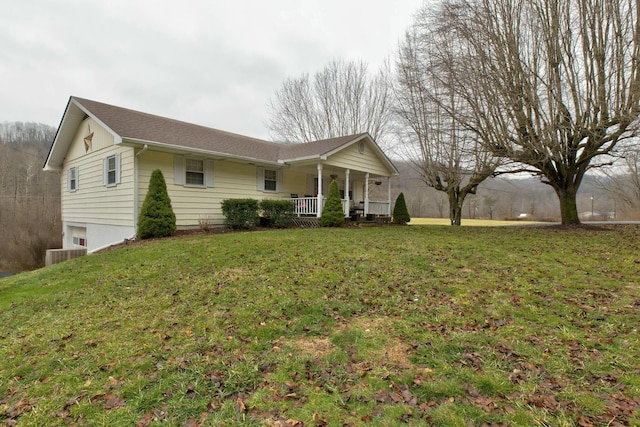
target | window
[
  {"x": 194, "y": 172},
  {"x": 78, "y": 236},
  {"x": 72, "y": 182},
  {"x": 79, "y": 241},
  {"x": 270, "y": 180},
  {"x": 111, "y": 170}
]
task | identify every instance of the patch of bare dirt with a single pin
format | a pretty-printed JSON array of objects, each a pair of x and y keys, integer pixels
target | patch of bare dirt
[{"x": 316, "y": 347}]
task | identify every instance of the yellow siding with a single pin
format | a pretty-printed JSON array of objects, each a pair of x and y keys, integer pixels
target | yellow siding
[
  {"x": 351, "y": 158},
  {"x": 358, "y": 191},
  {"x": 231, "y": 181},
  {"x": 294, "y": 183},
  {"x": 93, "y": 202},
  {"x": 101, "y": 139}
]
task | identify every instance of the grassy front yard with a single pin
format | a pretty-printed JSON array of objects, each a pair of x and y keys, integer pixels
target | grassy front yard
[{"x": 421, "y": 325}]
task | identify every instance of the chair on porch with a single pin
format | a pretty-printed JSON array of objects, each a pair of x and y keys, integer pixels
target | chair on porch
[{"x": 357, "y": 212}]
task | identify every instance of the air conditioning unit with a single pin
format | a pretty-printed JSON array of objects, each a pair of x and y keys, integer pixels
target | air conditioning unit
[{"x": 54, "y": 256}]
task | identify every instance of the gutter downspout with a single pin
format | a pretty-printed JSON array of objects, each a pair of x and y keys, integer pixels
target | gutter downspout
[
  {"x": 366, "y": 194},
  {"x": 136, "y": 189},
  {"x": 319, "y": 209},
  {"x": 389, "y": 196}
]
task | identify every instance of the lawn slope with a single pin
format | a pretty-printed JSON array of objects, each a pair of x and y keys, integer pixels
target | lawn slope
[{"x": 424, "y": 325}]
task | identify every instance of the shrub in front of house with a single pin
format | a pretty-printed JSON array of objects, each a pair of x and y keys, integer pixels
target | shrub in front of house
[
  {"x": 276, "y": 213},
  {"x": 332, "y": 212},
  {"x": 240, "y": 213},
  {"x": 400, "y": 211},
  {"x": 156, "y": 216}
]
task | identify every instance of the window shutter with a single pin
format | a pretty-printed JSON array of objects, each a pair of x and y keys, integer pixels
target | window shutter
[
  {"x": 208, "y": 173},
  {"x": 117, "y": 168},
  {"x": 279, "y": 181},
  {"x": 260, "y": 178},
  {"x": 69, "y": 179},
  {"x": 105, "y": 171},
  {"x": 178, "y": 170},
  {"x": 77, "y": 177}
]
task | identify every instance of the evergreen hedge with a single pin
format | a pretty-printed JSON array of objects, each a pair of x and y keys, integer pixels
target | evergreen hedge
[
  {"x": 240, "y": 213},
  {"x": 332, "y": 212},
  {"x": 400, "y": 211},
  {"x": 156, "y": 216},
  {"x": 277, "y": 213}
]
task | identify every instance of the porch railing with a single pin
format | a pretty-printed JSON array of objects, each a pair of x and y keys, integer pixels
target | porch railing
[
  {"x": 305, "y": 206},
  {"x": 378, "y": 208}
]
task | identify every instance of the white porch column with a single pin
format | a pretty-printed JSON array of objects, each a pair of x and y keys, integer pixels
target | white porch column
[
  {"x": 319, "y": 213},
  {"x": 366, "y": 193},
  {"x": 389, "y": 196},
  {"x": 346, "y": 191}
]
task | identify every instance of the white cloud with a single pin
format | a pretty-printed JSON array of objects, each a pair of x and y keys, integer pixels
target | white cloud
[{"x": 215, "y": 63}]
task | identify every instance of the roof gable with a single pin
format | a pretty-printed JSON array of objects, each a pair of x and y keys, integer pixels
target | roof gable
[
  {"x": 315, "y": 149},
  {"x": 323, "y": 149}
]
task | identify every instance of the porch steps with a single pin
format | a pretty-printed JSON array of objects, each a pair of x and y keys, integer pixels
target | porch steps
[{"x": 363, "y": 222}]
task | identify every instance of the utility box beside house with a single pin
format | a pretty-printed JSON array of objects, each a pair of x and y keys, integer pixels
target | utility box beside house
[{"x": 54, "y": 256}]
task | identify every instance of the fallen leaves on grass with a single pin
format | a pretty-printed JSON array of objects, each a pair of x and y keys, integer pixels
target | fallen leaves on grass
[{"x": 109, "y": 401}]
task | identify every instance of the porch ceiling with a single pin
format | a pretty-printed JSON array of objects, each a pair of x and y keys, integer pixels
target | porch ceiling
[{"x": 312, "y": 169}]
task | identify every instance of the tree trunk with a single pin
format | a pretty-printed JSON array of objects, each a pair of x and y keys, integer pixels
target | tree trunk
[
  {"x": 456, "y": 199},
  {"x": 568, "y": 205}
]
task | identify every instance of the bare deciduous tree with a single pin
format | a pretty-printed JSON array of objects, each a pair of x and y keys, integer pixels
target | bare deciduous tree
[
  {"x": 448, "y": 157},
  {"x": 554, "y": 85},
  {"x": 29, "y": 198},
  {"x": 622, "y": 183},
  {"x": 342, "y": 99}
]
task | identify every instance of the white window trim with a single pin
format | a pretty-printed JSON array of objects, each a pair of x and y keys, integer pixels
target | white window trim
[
  {"x": 273, "y": 179},
  {"x": 76, "y": 241},
  {"x": 187, "y": 171},
  {"x": 69, "y": 179},
  {"x": 105, "y": 170},
  {"x": 180, "y": 172},
  {"x": 260, "y": 179}
]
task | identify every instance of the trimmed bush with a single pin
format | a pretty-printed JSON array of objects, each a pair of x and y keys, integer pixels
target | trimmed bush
[
  {"x": 277, "y": 213},
  {"x": 240, "y": 213},
  {"x": 156, "y": 216},
  {"x": 332, "y": 213},
  {"x": 400, "y": 211}
]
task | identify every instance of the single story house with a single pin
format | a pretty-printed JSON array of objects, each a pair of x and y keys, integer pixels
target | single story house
[{"x": 106, "y": 155}]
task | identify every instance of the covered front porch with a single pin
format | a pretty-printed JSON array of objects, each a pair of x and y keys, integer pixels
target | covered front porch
[{"x": 363, "y": 194}]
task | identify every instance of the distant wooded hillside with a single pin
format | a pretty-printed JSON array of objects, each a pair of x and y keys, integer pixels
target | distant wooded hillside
[{"x": 29, "y": 197}]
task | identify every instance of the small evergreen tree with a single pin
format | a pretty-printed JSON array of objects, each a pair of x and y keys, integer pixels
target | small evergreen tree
[
  {"x": 156, "y": 217},
  {"x": 400, "y": 211},
  {"x": 332, "y": 212}
]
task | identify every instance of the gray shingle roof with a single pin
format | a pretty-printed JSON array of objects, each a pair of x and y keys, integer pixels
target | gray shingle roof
[
  {"x": 135, "y": 125},
  {"x": 138, "y": 127}
]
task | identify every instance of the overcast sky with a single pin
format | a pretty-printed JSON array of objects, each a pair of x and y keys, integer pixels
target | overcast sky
[{"x": 210, "y": 62}]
